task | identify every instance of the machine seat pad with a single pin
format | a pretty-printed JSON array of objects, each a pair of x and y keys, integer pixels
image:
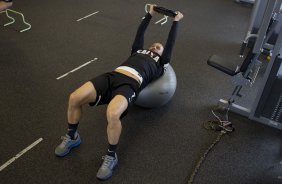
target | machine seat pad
[{"x": 221, "y": 64}]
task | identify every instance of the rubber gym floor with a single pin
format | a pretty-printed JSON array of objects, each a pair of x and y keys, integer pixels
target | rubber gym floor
[{"x": 157, "y": 146}]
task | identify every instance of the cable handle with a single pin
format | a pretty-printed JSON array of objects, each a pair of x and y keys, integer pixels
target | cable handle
[{"x": 165, "y": 11}]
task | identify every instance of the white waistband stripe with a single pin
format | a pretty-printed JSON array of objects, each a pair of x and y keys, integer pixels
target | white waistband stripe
[{"x": 132, "y": 71}]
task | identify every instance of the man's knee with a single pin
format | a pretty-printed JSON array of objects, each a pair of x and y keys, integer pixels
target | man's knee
[
  {"x": 113, "y": 115},
  {"x": 74, "y": 99},
  {"x": 114, "y": 118},
  {"x": 85, "y": 94},
  {"x": 117, "y": 108}
]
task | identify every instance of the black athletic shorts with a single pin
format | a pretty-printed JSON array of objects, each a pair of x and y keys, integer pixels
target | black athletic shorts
[{"x": 108, "y": 85}]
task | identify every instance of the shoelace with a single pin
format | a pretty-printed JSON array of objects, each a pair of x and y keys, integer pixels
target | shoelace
[
  {"x": 65, "y": 140},
  {"x": 107, "y": 161}
]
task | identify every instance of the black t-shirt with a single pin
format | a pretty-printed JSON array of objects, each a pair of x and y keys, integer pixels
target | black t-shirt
[
  {"x": 7, "y": 1},
  {"x": 148, "y": 64}
]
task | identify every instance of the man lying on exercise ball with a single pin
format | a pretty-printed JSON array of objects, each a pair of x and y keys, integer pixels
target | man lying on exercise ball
[{"x": 118, "y": 89}]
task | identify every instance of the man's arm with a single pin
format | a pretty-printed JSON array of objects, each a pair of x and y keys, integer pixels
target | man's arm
[
  {"x": 166, "y": 56},
  {"x": 139, "y": 38}
]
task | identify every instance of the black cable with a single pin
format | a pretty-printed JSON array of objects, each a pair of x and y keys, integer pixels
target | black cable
[
  {"x": 199, "y": 163},
  {"x": 217, "y": 125}
]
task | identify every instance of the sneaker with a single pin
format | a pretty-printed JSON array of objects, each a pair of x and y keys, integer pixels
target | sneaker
[
  {"x": 106, "y": 169},
  {"x": 64, "y": 148}
]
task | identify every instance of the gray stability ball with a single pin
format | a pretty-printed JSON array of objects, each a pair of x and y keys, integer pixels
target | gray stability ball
[{"x": 158, "y": 92}]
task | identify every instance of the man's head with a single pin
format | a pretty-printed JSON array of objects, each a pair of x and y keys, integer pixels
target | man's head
[{"x": 157, "y": 48}]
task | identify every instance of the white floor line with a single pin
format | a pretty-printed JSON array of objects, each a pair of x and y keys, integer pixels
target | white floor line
[
  {"x": 20, "y": 154},
  {"x": 77, "y": 68},
  {"x": 87, "y": 16}
]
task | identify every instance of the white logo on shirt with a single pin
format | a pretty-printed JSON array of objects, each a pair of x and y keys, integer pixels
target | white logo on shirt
[{"x": 149, "y": 53}]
